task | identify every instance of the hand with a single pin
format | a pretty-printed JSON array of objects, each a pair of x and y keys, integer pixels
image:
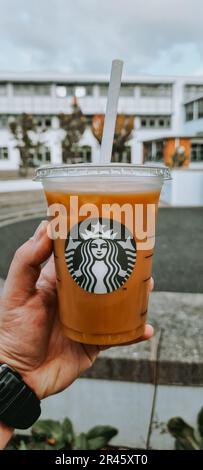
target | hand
[{"x": 31, "y": 336}]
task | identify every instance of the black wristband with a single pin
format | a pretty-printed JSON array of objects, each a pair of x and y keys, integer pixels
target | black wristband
[{"x": 19, "y": 406}]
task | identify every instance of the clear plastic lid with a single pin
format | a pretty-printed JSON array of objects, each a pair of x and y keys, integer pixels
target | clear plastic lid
[{"x": 113, "y": 170}]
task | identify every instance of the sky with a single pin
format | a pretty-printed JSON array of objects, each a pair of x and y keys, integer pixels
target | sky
[{"x": 163, "y": 37}]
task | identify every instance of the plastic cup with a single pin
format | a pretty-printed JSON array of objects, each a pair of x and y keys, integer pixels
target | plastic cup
[{"x": 104, "y": 260}]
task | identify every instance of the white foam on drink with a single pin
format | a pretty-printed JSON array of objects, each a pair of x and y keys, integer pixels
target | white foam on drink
[
  {"x": 104, "y": 185},
  {"x": 113, "y": 178}
]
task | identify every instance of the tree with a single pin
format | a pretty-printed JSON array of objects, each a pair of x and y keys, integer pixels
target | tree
[
  {"x": 73, "y": 125},
  {"x": 179, "y": 158},
  {"x": 22, "y": 128},
  {"x": 123, "y": 132}
]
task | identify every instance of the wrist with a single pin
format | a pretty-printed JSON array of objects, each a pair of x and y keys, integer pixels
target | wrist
[
  {"x": 5, "y": 435},
  {"x": 19, "y": 405},
  {"x": 26, "y": 376},
  {"x": 31, "y": 381}
]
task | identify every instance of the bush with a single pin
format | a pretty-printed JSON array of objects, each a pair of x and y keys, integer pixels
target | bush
[{"x": 49, "y": 434}]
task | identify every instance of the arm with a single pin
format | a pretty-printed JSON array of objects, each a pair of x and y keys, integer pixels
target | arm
[
  {"x": 5, "y": 435},
  {"x": 36, "y": 348}
]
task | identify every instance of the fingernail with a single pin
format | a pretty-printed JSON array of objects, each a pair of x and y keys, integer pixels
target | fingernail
[
  {"x": 39, "y": 232},
  {"x": 150, "y": 328}
]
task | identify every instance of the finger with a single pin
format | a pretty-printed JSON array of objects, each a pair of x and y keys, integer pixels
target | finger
[
  {"x": 25, "y": 267},
  {"x": 151, "y": 284},
  {"x": 148, "y": 333},
  {"x": 47, "y": 277}
]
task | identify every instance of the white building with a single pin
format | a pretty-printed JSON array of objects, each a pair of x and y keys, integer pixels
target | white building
[{"x": 168, "y": 114}]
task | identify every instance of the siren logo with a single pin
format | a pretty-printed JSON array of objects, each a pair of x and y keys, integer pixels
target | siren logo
[{"x": 102, "y": 256}]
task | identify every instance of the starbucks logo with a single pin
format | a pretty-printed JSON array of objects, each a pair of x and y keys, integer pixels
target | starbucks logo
[{"x": 100, "y": 255}]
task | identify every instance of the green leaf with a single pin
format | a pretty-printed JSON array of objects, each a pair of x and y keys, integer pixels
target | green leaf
[
  {"x": 68, "y": 432},
  {"x": 48, "y": 429},
  {"x": 22, "y": 446},
  {"x": 97, "y": 442},
  {"x": 201, "y": 444},
  {"x": 42, "y": 428},
  {"x": 185, "y": 444},
  {"x": 200, "y": 422},
  {"x": 36, "y": 445},
  {"x": 184, "y": 433},
  {"x": 102, "y": 431},
  {"x": 178, "y": 445},
  {"x": 81, "y": 442}
]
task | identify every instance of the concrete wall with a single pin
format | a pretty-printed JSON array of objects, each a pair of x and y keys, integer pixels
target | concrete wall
[
  {"x": 193, "y": 127},
  {"x": 185, "y": 189},
  {"x": 89, "y": 402},
  {"x": 127, "y": 406}
]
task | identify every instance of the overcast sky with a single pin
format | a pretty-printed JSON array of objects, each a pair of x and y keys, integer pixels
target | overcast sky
[{"x": 82, "y": 36}]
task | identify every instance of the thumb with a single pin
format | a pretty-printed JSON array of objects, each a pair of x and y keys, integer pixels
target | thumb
[{"x": 26, "y": 266}]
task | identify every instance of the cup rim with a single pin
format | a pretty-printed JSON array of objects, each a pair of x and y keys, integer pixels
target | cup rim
[{"x": 112, "y": 170}]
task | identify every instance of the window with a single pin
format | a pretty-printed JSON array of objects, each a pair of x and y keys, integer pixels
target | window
[
  {"x": 85, "y": 154},
  {"x": 89, "y": 90},
  {"x": 47, "y": 155},
  {"x": 43, "y": 122},
  {"x": 3, "y": 153},
  {"x": 61, "y": 91},
  {"x": 123, "y": 157},
  {"x": 79, "y": 91},
  {"x": 192, "y": 91},
  {"x": 79, "y": 154},
  {"x": 3, "y": 91},
  {"x": 70, "y": 90},
  {"x": 126, "y": 91},
  {"x": 47, "y": 122},
  {"x": 147, "y": 149},
  {"x": 156, "y": 91},
  {"x": 200, "y": 109},
  {"x": 159, "y": 151},
  {"x": 82, "y": 91},
  {"x": 41, "y": 156},
  {"x": 31, "y": 89},
  {"x": 103, "y": 90},
  {"x": 197, "y": 152},
  {"x": 153, "y": 151},
  {"x": 189, "y": 112},
  {"x": 3, "y": 121},
  {"x": 155, "y": 121},
  {"x": 89, "y": 118}
]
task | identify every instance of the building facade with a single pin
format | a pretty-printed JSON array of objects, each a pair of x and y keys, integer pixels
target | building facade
[{"x": 168, "y": 116}]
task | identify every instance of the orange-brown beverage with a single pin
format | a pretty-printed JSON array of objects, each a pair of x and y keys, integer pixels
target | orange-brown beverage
[{"x": 104, "y": 258}]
